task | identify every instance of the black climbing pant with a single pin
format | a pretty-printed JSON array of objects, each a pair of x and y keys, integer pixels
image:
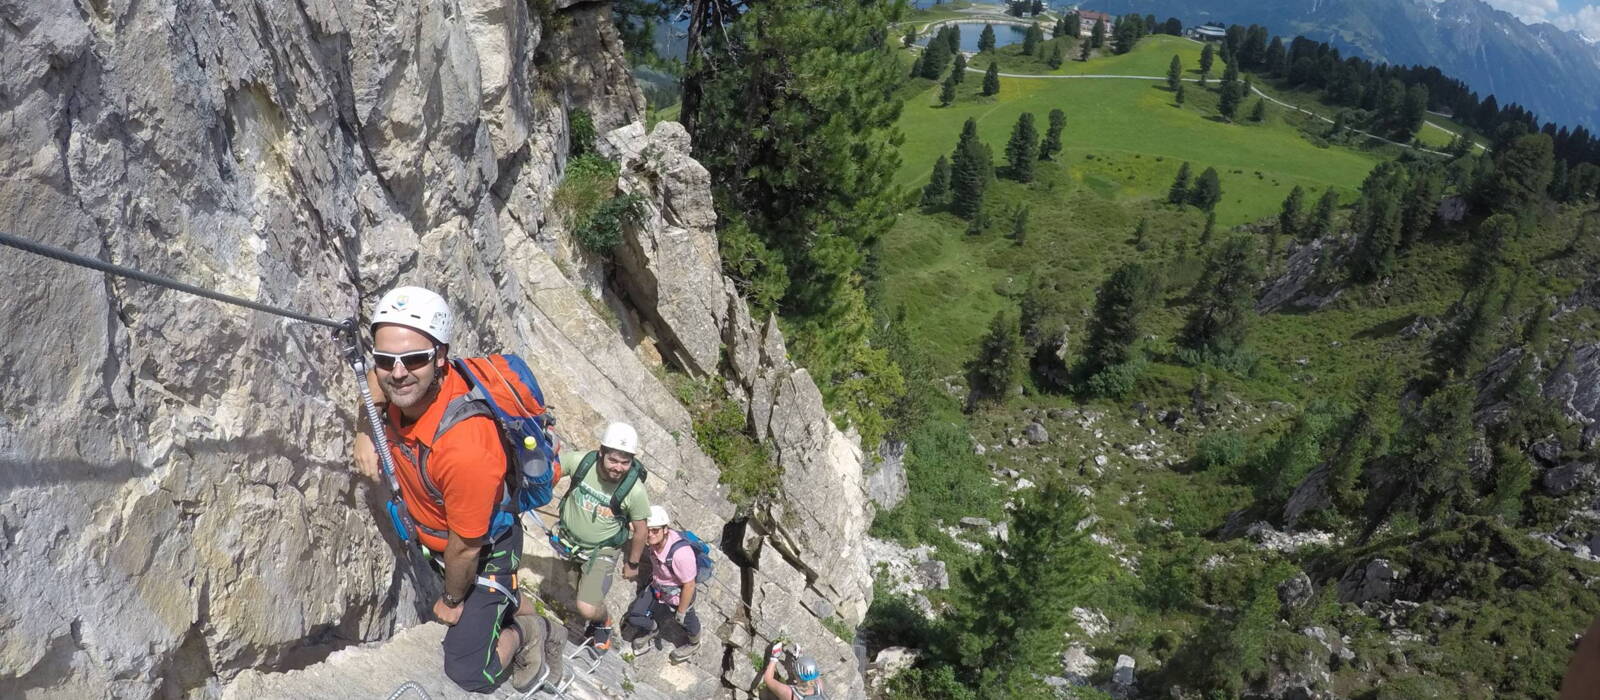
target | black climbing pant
[{"x": 469, "y": 646}]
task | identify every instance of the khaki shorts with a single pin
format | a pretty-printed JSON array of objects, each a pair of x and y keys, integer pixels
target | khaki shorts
[{"x": 595, "y": 575}]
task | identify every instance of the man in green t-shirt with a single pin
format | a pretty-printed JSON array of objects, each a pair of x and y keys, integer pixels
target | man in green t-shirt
[{"x": 605, "y": 508}]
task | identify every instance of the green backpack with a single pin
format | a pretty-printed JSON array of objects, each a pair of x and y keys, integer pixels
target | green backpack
[{"x": 636, "y": 473}]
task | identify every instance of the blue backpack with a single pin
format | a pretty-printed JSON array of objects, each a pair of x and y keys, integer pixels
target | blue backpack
[{"x": 702, "y": 555}]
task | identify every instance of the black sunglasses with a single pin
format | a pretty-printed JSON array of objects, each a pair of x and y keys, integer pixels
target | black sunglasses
[{"x": 412, "y": 360}]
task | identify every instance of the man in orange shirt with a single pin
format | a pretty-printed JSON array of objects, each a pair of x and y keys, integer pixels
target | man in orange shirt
[{"x": 452, "y": 481}]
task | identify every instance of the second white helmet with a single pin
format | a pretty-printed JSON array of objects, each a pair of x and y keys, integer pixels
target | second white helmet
[
  {"x": 416, "y": 308},
  {"x": 621, "y": 436}
]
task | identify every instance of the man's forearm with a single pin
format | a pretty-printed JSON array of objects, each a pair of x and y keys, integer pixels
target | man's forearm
[
  {"x": 460, "y": 567},
  {"x": 686, "y": 598},
  {"x": 636, "y": 545}
]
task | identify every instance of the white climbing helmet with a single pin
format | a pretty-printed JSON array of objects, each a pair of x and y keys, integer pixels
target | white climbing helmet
[
  {"x": 621, "y": 437},
  {"x": 416, "y": 308},
  {"x": 658, "y": 517}
]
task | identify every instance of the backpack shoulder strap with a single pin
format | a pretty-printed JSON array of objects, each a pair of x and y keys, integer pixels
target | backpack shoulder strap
[
  {"x": 584, "y": 467},
  {"x": 680, "y": 544},
  {"x": 634, "y": 475}
]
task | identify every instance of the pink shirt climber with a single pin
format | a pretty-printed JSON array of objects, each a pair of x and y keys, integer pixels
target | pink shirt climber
[{"x": 682, "y": 570}]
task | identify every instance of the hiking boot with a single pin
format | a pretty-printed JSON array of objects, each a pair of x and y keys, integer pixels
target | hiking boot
[
  {"x": 529, "y": 663},
  {"x": 682, "y": 653},
  {"x": 643, "y": 643},
  {"x": 600, "y": 636}
]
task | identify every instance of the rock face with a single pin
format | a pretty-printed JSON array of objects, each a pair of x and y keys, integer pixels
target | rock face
[
  {"x": 1374, "y": 581},
  {"x": 1575, "y": 385},
  {"x": 177, "y": 502}
]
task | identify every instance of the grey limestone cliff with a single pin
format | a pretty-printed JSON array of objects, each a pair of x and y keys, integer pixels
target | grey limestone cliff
[{"x": 178, "y": 516}]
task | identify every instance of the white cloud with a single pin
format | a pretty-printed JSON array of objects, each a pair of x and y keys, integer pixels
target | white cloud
[
  {"x": 1530, "y": 11},
  {"x": 1585, "y": 21}
]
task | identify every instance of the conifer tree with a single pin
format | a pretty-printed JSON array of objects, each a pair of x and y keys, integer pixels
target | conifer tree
[
  {"x": 1228, "y": 99},
  {"x": 986, "y": 39},
  {"x": 1321, "y": 222},
  {"x": 1141, "y": 233},
  {"x": 991, "y": 80},
  {"x": 1023, "y": 148},
  {"x": 911, "y": 36},
  {"x": 1001, "y": 643},
  {"x": 1488, "y": 251},
  {"x": 1226, "y": 294},
  {"x": 1031, "y": 39},
  {"x": 1119, "y": 310},
  {"x": 947, "y": 91},
  {"x": 979, "y": 222},
  {"x": 1435, "y": 480},
  {"x": 1074, "y": 25},
  {"x": 1019, "y": 225},
  {"x": 968, "y": 172},
  {"x": 1178, "y": 97},
  {"x": 938, "y": 187},
  {"x": 1421, "y": 203},
  {"x": 1175, "y": 73},
  {"x": 1051, "y": 145},
  {"x": 1056, "y": 58},
  {"x": 1097, "y": 36},
  {"x": 1259, "y": 112},
  {"x": 998, "y": 366},
  {"x": 1208, "y": 55},
  {"x": 916, "y": 66},
  {"x": 1083, "y": 51},
  {"x": 935, "y": 57},
  {"x": 958, "y": 72},
  {"x": 1179, "y": 192},
  {"x": 1126, "y": 35},
  {"x": 1209, "y": 230},
  {"x": 1207, "y": 191},
  {"x": 1380, "y": 207},
  {"x": 1289, "y": 217}
]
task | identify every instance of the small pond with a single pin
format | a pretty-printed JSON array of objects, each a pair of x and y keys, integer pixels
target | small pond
[{"x": 1004, "y": 34}]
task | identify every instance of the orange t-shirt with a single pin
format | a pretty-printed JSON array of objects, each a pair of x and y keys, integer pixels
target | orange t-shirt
[{"x": 467, "y": 464}]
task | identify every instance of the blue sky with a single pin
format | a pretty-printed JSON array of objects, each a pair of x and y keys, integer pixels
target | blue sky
[{"x": 1582, "y": 15}]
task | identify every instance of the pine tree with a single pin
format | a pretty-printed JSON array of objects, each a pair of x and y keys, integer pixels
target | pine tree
[
  {"x": 1097, "y": 36},
  {"x": 986, "y": 39},
  {"x": 1031, "y": 39},
  {"x": 1179, "y": 96},
  {"x": 1289, "y": 223},
  {"x": 911, "y": 37},
  {"x": 998, "y": 639},
  {"x": 1051, "y": 145},
  {"x": 1522, "y": 172},
  {"x": 1228, "y": 99},
  {"x": 1083, "y": 51},
  {"x": 998, "y": 366},
  {"x": 1489, "y": 242},
  {"x": 1019, "y": 225},
  {"x": 1321, "y": 222},
  {"x": 1126, "y": 35},
  {"x": 1179, "y": 192},
  {"x": 947, "y": 91},
  {"x": 1175, "y": 74},
  {"x": 1209, "y": 230},
  {"x": 1421, "y": 203},
  {"x": 1226, "y": 294},
  {"x": 916, "y": 66},
  {"x": 935, "y": 57},
  {"x": 1259, "y": 112},
  {"x": 1207, "y": 191},
  {"x": 1074, "y": 25},
  {"x": 1141, "y": 234},
  {"x": 938, "y": 187},
  {"x": 1374, "y": 254},
  {"x": 958, "y": 72},
  {"x": 1037, "y": 8},
  {"x": 1056, "y": 58},
  {"x": 1023, "y": 148},
  {"x": 979, "y": 222},
  {"x": 968, "y": 172},
  {"x": 1434, "y": 481},
  {"x": 991, "y": 80},
  {"x": 1208, "y": 55},
  {"x": 1119, "y": 310}
]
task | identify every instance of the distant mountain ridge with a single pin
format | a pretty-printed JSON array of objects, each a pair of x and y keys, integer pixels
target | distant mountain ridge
[{"x": 1553, "y": 72}]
